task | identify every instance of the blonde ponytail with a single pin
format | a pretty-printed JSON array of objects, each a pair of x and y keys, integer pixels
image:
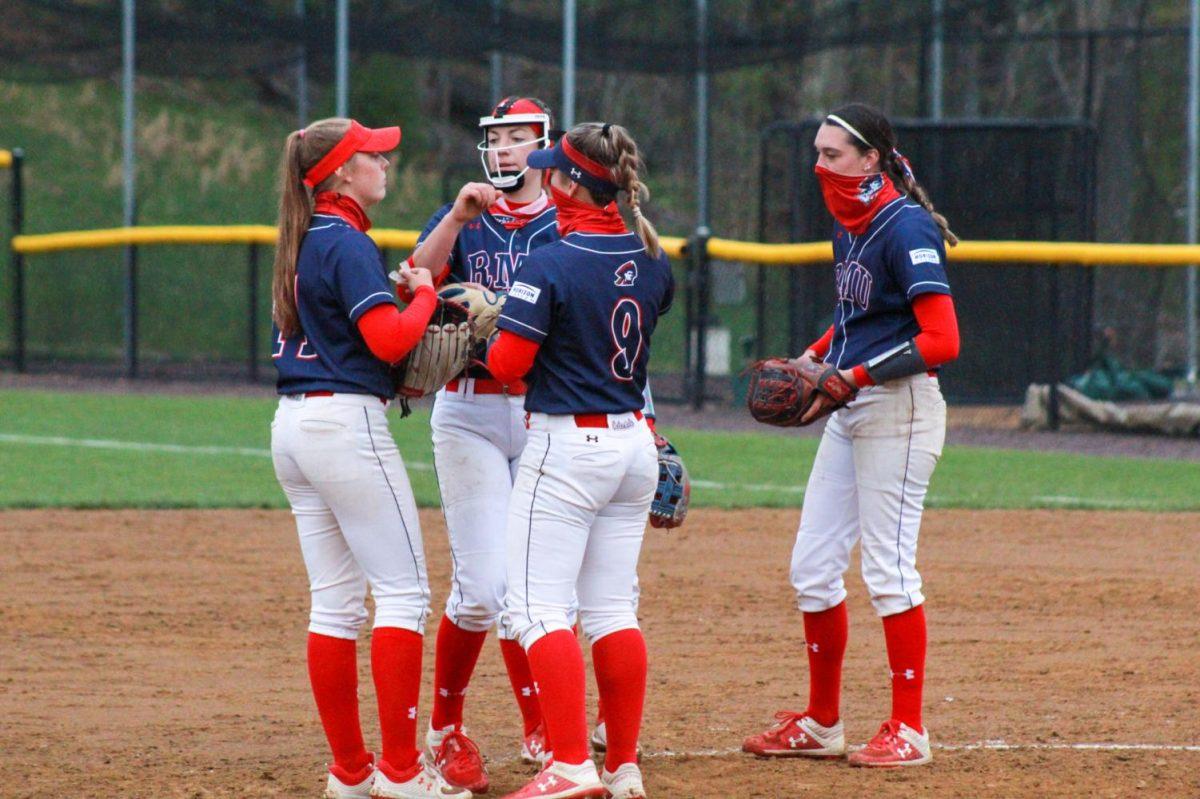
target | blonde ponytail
[
  {"x": 301, "y": 151},
  {"x": 614, "y": 147}
]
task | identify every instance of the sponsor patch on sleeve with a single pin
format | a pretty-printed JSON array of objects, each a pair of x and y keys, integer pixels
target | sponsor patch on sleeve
[
  {"x": 925, "y": 255},
  {"x": 526, "y": 292}
]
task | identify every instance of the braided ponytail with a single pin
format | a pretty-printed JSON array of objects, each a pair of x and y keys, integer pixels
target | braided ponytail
[
  {"x": 902, "y": 175},
  {"x": 613, "y": 146}
]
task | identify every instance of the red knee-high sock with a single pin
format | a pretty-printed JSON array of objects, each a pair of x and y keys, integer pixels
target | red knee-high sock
[
  {"x": 825, "y": 634},
  {"x": 620, "y": 661},
  {"x": 396, "y": 667},
  {"x": 517, "y": 663},
  {"x": 454, "y": 663},
  {"x": 906, "y": 641},
  {"x": 333, "y": 672},
  {"x": 557, "y": 665}
]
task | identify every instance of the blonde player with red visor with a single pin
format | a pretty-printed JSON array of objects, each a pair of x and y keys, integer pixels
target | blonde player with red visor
[{"x": 337, "y": 333}]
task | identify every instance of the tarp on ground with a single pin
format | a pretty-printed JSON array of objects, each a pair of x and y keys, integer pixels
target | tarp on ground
[{"x": 1078, "y": 412}]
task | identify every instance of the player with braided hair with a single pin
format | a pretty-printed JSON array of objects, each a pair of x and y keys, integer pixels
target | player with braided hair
[
  {"x": 577, "y": 328},
  {"x": 894, "y": 325}
]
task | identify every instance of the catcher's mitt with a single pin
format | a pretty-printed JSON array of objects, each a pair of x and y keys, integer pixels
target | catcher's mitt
[
  {"x": 782, "y": 391},
  {"x": 670, "y": 505}
]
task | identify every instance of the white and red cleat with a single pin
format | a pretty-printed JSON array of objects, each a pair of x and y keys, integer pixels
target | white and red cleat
[
  {"x": 457, "y": 758},
  {"x": 896, "y": 744},
  {"x": 343, "y": 785},
  {"x": 422, "y": 781},
  {"x": 797, "y": 735},
  {"x": 533, "y": 748},
  {"x": 563, "y": 781},
  {"x": 624, "y": 783}
]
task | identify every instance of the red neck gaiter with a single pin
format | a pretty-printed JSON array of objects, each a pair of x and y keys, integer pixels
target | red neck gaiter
[
  {"x": 855, "y": 199},
  {"x": 575, "y": 216},
  {"x": 330, "y": 202},
  {"x": 514, "y": 215}
]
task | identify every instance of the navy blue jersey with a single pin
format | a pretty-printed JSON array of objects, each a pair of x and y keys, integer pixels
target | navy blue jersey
[
  {"x": 340, "y": 276},
  {"x": 488, "y": 253},
  {"x": 592, "y": 300},
  {"x": 877, "y": 274}
]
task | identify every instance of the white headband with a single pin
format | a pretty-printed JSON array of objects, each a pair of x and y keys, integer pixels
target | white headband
[{"x": 849, "y": 127}]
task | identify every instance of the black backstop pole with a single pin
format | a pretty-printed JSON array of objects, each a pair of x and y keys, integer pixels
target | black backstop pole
[
  {"x": 18, "y": 260},
  {"x": 252, "y": 314}
]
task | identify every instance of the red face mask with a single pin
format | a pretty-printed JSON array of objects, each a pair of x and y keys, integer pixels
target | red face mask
[
  {"x": 575, "y": 216},
  {"x": 855, "y": 199}
]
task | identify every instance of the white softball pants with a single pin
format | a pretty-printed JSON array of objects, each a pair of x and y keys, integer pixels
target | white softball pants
[
  {"x": 575, "y": 524},
  {"x": 868, "y": 482},
  {"x": 342, "y": 473},
  {"x": 477, "y": 443}
]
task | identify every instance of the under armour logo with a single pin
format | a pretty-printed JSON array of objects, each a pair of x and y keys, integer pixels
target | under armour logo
[
  {"x": 412, "y": 712},
  {"x": 905, "y": 750},
  {"x": 526, "y": 691},
  {"x": 444, "y": 692},
  {"x": 815, "y": 647},
  {"x": 594, "y": 439},
  {"x": 908, "y": 674},
  {"x": 550, "y": 782},
  {"x": 799, "y": 739},
  {"x": 575, "y": 173}
]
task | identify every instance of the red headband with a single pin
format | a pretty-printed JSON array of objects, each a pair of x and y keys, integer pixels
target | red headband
[
  {"x": 358, "y": 139},
  {"x": 593, "y": 168}
]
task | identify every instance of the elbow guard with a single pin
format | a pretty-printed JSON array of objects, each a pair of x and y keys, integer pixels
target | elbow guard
[{"x": 897, "y": 362}]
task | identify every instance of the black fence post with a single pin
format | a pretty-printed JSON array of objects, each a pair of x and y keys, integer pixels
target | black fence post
[
  {"x": 18, "y": 260},
  {"x": 131, "y": 312},
  {"x": 252, "y": 314},
  {"x": 700, "y": 259},
  {"x": 1054, "y": 356}
]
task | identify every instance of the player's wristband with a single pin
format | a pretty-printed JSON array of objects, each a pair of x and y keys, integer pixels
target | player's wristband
[{"x": 899, "y": 361}]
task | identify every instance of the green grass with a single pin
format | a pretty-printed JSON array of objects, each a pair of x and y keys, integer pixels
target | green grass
[{"x": 89, "y": 451}]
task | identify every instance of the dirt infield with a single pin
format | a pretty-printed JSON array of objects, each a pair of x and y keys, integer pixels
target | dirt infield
[{"x": 160, "y": 654}]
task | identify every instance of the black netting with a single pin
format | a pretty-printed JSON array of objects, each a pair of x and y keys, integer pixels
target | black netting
[{"x": 1025, "y": 181}]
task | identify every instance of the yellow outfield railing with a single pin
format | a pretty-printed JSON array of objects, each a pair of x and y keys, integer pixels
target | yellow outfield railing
[
  {"x": 214, "y": 234},
  {"x": 817, "y": 252}
]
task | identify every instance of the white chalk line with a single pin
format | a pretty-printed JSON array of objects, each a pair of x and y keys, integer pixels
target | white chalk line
[
  {"x": 986, "y": 746},
  {"x": 146, "y": 446},
  {"x": 420, "y": 466}
]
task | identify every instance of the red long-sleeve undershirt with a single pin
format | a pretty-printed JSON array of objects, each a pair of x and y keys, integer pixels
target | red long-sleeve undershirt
[
  {"x": 391, "y": 333},
  {"x": 511, "y": 357},
  {"x": 937, "y": 342},
  {"x": 404, "y": 295}
]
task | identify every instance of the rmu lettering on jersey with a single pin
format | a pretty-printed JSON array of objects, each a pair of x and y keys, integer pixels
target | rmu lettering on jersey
[
  {"x": 853, "y": 284},
  {"x": 491, "y": 254}
]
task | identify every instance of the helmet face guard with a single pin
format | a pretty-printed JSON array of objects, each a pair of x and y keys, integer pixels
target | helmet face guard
[{"x": 509, "y": 180}]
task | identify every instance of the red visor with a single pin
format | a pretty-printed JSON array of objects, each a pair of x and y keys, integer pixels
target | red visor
[{"x": 358, "y": 139}]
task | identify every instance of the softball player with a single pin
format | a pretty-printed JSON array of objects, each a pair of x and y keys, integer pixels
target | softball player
[
  {"x": 337, "y": 331},
  {"x": 483, "y": 237},
  {"x": 577, "y": 326},
  {"x": 894, "y": 324}
]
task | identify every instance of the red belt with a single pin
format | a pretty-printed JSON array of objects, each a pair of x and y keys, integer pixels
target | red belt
[
  {"x": 330, "y": 394},
  {"x": 488, "y": 385},
  {"x": 597, "y": 419}
]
